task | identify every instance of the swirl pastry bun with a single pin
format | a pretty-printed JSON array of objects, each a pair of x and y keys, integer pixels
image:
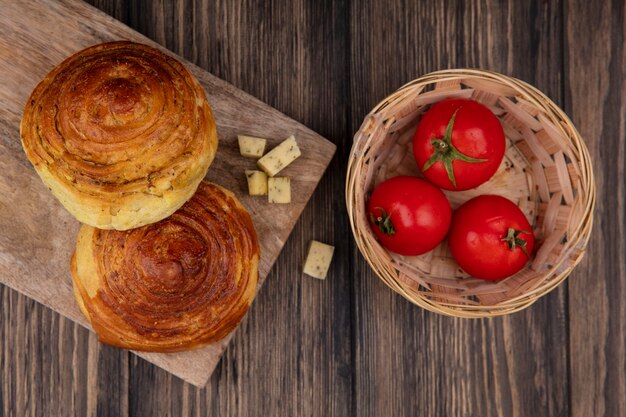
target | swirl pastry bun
[
  {"x": 174, "y": 285},
  {"x": 121, "y": 133}
]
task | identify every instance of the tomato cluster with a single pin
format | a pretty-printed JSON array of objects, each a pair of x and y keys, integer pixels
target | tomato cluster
[{"x": 458, "y": 145}]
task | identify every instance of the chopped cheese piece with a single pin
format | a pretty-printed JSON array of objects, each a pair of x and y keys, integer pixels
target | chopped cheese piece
[
  {"x": 251, "y": 147},
  {"x": 279, "y": 157},
  {"x": 318, "y": 260},
  {"x": 279, "y": 190},
  {"x": 257, "y": 182}
]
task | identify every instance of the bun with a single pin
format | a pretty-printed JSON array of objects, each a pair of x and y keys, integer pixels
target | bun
[
  {"x": 175, "y": 285},
  {"x": 121, "y": 133}
]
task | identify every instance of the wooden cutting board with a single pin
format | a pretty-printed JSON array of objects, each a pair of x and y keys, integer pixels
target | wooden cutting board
[{"x": 37, "y": 235}]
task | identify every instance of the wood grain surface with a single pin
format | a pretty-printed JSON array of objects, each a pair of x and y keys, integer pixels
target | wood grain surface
[
  {"x": 348, "y": 345},
  {"x": 595, "y": 92},
  {"x": 39, "y": 235}
]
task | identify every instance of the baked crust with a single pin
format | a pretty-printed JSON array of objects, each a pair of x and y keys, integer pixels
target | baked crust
[
  {"x": 121, "y": 133},
  {"x": 174, "y": 285}
]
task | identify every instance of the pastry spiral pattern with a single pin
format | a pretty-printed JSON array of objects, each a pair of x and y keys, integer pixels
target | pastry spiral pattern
[
  {"x": 174, "y": 285},
  {"x": 121, "y": 133}
]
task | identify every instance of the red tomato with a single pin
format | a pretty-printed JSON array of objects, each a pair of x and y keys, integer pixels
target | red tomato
[
  {"x": 408, "y": 215},
  {"x": 490, "y": 237},
  {"x": 458, "y": 144}
]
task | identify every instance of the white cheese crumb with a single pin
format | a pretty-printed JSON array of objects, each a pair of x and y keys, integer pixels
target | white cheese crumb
[
  {"x": 279, "y": 157},
  {"x": 251, "y": 147},
  {"x": 279, "y": 190},
  {"x": 318, "y": 260},
  {"x": 257, "y": 182}
]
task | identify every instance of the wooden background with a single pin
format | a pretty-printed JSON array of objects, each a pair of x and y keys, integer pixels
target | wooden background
[{"x": 348, "y": 345}]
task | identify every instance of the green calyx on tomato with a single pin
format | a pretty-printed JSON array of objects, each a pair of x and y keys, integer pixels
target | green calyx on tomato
[
  {"x": 421, "y": 215},
  {"x": 383, "y": 222},
  {"x": 514, "y": 241},
  {"x": 445, "y": 152}
]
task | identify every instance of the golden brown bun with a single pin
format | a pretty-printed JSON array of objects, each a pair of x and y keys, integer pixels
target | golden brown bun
[
  {"x": 121, "y": 133},
  {"x": 174, "y": 285}
]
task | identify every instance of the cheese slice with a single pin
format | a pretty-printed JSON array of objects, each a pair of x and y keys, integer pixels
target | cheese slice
[
  {"x": 257, "y": 182},
  {"x": 279, "y": 157},
  {"x": 318, "y": 260},
  {"x": 279, "y": 190},
  {"x": 251, "y": 147}
]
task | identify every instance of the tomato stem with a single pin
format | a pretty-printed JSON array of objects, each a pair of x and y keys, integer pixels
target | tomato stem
[
  {"x": 445, "y": 152},
  {"x": 514, "y": 241},
  {"x": 383, "y": 222}
]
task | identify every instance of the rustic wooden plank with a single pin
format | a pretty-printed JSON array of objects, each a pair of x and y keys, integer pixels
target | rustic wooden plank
[
  {"x": 300, "y": 364},
  {"x": 411, "y": 362},
  {"x": 596, "y": 100},
  {"x": 406, "y": 361},
  {"x": 38, "y": 35},
  {"x": 51, "y": 366}
]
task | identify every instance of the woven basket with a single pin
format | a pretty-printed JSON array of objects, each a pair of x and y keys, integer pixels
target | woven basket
[{"x": 546, "y": 170}]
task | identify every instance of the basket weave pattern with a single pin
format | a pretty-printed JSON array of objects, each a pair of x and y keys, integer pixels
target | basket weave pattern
[{"x": 546, "y": 171}]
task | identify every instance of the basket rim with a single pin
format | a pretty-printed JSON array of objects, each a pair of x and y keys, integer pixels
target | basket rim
[{"x": 373, "y": 121}]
